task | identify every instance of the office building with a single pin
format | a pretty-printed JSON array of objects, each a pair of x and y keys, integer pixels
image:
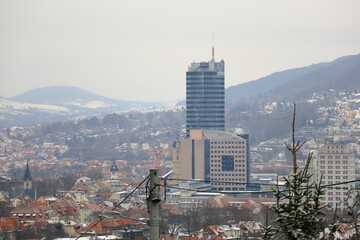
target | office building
[
  {"x": 205, "y": 99},
  {"x": 216, "y": 156},
  {"x": 335, "y": 163}
]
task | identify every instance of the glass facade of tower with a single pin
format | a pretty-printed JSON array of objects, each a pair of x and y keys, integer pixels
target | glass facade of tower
[{"x": 205, "y": 96}]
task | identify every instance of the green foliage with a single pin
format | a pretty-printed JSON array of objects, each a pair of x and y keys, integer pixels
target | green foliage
[{"x": 298, "y": 206}]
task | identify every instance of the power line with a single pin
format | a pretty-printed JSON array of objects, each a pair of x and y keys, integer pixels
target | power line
[
  {"x": 213, "y": 181},
  {"x": 259, "y": 184},
  {"x": 213, "y": 191},
  {"x": 341, "y": 183},
  {"x": 117, "y": 205},
  {"x": 208, "y": 191},
  {"x": 256, "y": 192}
]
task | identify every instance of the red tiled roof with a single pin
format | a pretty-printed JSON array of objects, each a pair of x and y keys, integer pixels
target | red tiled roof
[
  {"x": 10, "y": 224},
  {"x": 65, "y": 208},
  {"x": 37, "y": 204},
  {"x": 214, "y": 229},
  {"x": 93, "y": 207},
  {"x": 106, "y": 225}
]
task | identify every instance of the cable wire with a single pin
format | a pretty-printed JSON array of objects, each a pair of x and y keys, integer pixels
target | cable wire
[
  {"x": 208, "y": 191},
  {"x": 117, "y": 205},
  {"x": 258, "y": 184},
  {"x": 214, "y": 181},
  {"x": 247, "y": 192}
]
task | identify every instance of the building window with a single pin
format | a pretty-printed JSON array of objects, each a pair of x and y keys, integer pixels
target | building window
[{"x": 227, "y": 163}]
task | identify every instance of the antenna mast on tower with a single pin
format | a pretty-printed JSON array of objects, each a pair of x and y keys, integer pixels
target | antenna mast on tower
[{"x": 213, "y": 50}]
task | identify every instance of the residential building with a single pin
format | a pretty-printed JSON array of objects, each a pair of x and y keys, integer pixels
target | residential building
[
  {"x": 216, "y": 156},
  {"x": 190, "y": 195},
  {"x": 205, "y": 96},
  {"x": 334, "y": 163}
]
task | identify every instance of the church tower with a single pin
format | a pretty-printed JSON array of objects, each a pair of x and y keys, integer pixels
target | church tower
[
  {"x": 114, "y": 171},
  {"x": 27, "y": 178}
]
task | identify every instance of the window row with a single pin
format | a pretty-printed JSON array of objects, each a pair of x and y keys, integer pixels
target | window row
[
  {"x": 220, "y": 160},
  {"x": 332, "y": 157},
  {"x": 338, "y": 177},
  {"x": 219, "y": 165},
  {"x": 228, "y": 147},
  {"x": 228, "y": 152},
  {"x": 331, "y": 167},
  {"x": 227, "y": 174},
  {"x": 224, "y": 183},
  {"x": 225, "y": 142},
  {"x": 332, "y": 162}
]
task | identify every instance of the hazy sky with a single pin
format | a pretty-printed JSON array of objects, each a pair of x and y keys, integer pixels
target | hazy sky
[{"x": 140, "y": 50}]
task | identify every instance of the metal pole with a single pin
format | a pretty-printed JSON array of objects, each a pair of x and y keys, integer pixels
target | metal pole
[{"x": 154, "y": 205}]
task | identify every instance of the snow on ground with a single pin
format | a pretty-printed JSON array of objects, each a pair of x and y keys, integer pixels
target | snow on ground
[{"x": 9, "y": 106}]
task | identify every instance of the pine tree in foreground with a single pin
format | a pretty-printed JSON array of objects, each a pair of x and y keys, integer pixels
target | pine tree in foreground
[{"x": 297, "y": 207}]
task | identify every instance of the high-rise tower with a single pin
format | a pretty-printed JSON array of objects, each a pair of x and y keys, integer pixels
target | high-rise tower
[
  {"x": 205, "y": 96},
  {"x": 335, "y": 163}
]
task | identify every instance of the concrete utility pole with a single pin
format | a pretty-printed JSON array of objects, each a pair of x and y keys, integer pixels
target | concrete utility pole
[{"x": 153, "y": 202}]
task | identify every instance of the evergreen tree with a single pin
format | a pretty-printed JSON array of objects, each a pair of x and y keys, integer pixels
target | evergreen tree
[{"x": 298, "y": 206}]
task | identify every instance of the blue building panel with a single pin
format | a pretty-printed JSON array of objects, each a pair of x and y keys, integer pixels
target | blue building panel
[{"x": 227, "y": 163}]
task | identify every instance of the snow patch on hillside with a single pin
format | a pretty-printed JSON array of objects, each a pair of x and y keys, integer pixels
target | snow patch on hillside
[
  {"x": 10, "y": 106},
  {"x": 91, "y": 104}
]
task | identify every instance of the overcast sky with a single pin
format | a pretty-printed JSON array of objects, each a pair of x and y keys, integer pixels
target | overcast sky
[{"x": 140, "y": 50}]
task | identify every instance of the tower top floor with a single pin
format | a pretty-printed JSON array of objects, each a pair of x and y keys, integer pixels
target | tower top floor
[
  {"x": 333, "y": 145},
  {"x": 207, "y": 66}
]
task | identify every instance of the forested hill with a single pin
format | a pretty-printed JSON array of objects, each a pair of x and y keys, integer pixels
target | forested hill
[{"x": 300, "y": 83}]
